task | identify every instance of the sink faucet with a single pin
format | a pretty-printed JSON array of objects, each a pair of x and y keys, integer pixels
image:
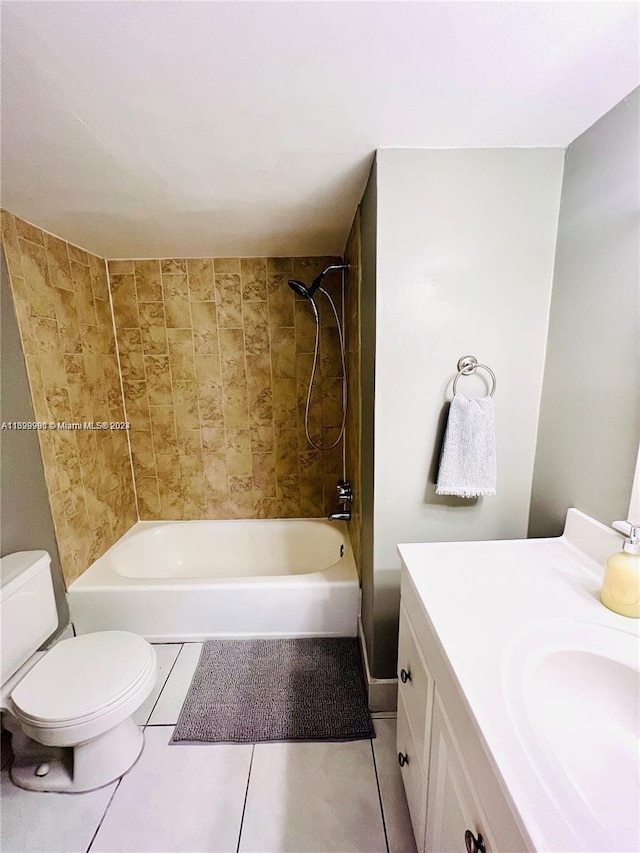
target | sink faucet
[{"x": 345, "y": 496}]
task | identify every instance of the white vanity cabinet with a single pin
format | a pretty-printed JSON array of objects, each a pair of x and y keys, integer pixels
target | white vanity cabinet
[
  {"x": 455, "y": 798},
  {"x": 519, "y": 686},
  {"x": 454, "y": 809},
  {"x": 415, "y": 708}
]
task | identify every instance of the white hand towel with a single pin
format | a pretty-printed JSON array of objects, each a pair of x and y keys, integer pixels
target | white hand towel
[{"x": 468, "y": 461}]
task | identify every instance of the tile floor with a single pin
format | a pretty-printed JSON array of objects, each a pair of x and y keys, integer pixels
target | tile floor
[{"x": 267, "y": 798}]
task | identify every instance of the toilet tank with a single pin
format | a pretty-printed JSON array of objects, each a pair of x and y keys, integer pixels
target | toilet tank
[{"x": 28, "y": 607}]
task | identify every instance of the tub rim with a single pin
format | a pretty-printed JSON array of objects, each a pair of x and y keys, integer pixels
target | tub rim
[{"x": 101, "y": 576}]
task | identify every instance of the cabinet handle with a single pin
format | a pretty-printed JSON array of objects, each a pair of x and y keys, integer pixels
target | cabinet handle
[
  {"x": 405, "y": 675},
  {"x": 473, "y": 844},
  {"x": 403, "y": 759}
]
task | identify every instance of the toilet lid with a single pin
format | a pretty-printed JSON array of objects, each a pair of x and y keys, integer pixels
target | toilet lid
[{"x": 81, "y": 676}]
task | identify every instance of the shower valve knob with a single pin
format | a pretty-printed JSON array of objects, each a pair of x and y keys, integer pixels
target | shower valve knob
[{"x": 344, "y": 491}]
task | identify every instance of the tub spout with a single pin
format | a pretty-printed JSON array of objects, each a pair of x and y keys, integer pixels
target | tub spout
[{"x": 340, "y": 515}]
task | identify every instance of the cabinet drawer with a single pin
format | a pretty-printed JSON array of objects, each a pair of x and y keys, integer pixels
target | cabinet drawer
[
  {"x": 415, "y": 686},
  {"x": 413, "y": 777}
]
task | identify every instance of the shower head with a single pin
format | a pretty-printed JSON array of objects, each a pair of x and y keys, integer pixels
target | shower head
[
  {"x": 299, "y": 288},
  {"x": 307, "y": 292}
]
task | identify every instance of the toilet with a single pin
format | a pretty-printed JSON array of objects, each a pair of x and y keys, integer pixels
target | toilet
[{"x": 69, "y": 710}]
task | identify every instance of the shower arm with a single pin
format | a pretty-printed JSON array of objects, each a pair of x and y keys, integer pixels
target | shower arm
[{"x": 315, "y": 284}]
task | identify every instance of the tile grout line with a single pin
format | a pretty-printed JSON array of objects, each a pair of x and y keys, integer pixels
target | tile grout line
[
  {"x": 63, "y": 351},
  {"x": 247, "y": 385},
  {"x": 246, "y": 794},
  {"x": 172, "y": 379},
  {"x": 205, "y": 508},
  {"x": 271, "y": 380},
  {"x": 279, "y": 327},
  {"x": 104, "y": 814},
  {"x": 121, "y": 378},
  {"x": 164, "y": 685},
  {"x": 223, "y": 384},
  {"x": 384, "y": 823},
  {"x": 146, "y": 388}
]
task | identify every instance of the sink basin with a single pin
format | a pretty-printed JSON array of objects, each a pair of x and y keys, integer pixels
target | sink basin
[{"x": 573, "y": 694}]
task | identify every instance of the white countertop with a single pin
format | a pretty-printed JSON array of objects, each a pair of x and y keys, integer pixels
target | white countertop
[{"x": 483, "y": 599}]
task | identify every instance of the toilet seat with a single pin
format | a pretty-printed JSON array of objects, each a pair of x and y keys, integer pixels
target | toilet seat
[{"x": 83, "y": 679}]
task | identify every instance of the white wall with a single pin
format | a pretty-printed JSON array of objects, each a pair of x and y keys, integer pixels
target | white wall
[
  {"x": 465, "y": 252},
  {"x": 590, "y": 415}
]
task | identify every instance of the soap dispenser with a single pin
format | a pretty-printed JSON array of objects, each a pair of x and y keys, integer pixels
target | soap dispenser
[{"x": 621, "y": 585}]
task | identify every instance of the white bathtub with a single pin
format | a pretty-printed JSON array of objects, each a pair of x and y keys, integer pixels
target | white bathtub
[{"x": 197, "y": 580}]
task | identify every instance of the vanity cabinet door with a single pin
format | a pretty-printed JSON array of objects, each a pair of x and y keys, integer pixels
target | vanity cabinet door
[
  {"x": 413, "y": 778},
  {"x": 454, "y": 807},
  {"x": 415, "y": 687}
]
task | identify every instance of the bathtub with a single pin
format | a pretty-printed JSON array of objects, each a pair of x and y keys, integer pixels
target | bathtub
[{"x": 181, "y": 581}]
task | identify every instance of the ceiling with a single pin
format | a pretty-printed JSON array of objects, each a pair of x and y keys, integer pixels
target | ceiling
[{"x": 159, "y": 129}]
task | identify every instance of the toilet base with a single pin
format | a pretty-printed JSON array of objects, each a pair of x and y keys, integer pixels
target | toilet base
[{"x": 74, "y": 769}]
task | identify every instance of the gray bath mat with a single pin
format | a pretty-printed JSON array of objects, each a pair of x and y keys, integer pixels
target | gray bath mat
[{"x": 251, "y": 691}]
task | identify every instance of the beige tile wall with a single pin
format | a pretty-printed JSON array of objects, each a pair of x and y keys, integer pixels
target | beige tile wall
[
  {"x": 61, "y": 300},
  {"x": 215, "y": 356},
  {"x": 352, "y": 336}
]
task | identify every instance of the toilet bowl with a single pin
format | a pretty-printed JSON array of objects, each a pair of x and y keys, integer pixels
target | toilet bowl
[
  {"x": 78, "y": 700},
  {"x": 69, "y": 710}
]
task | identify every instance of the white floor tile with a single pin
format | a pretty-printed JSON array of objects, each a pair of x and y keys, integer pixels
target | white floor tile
[
  {"x": 167, "y": 654},
  {"x": 313, "y": 798},
  {"x": 170, "y": 702},
  {"x": 178, "y": 798},
  {"x": 49, "y": 823},
  {"x": 394, "y": 803}
]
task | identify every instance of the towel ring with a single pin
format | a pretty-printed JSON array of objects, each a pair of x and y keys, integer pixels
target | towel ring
[{"x": 467, "y": 365}]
